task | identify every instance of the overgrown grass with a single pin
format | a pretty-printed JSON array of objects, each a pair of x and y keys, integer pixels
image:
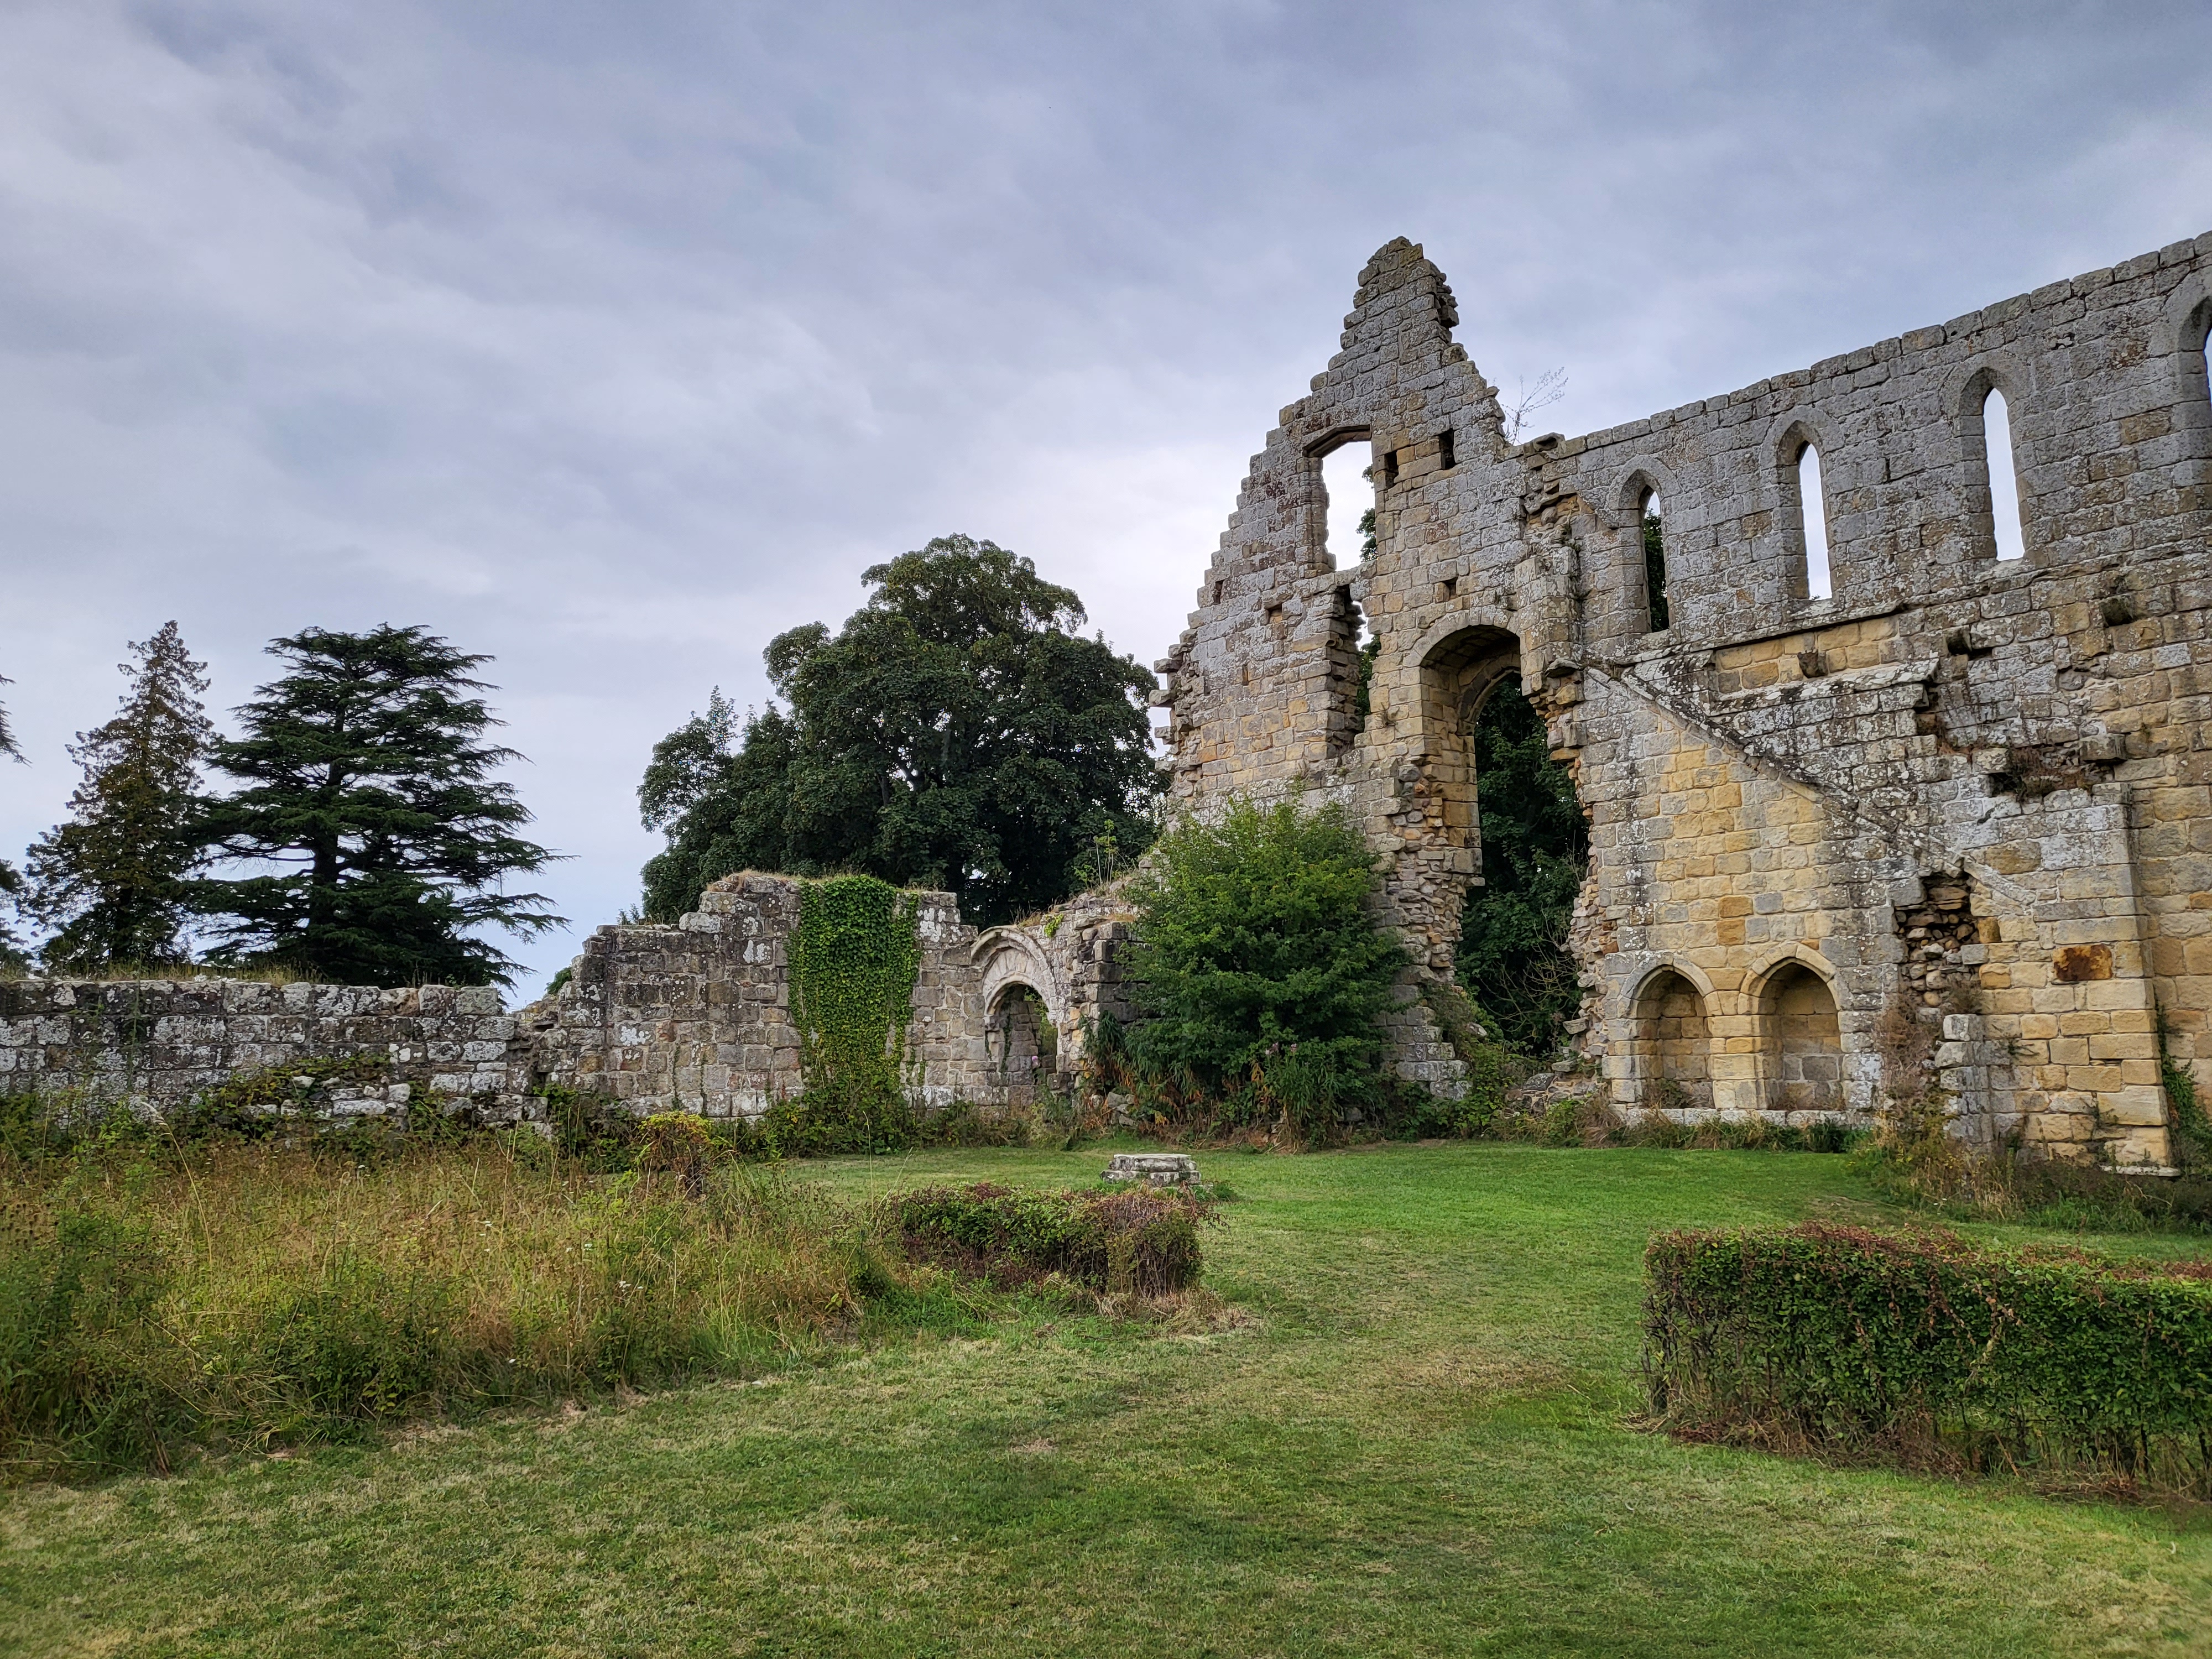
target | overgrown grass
[
  {"x": 254, "y": 1294},
  {"x": 1425, "y": 1445}
]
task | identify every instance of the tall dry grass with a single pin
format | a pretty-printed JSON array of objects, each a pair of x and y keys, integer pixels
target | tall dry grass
[{"x": 253, "y": 1295}]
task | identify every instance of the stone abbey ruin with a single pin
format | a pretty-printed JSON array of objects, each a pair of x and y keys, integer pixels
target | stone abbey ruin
[{"x": 1947, "y": 824}]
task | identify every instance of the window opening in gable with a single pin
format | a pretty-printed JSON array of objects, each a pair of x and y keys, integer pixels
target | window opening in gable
[
  {"x": 2200, "y": 327},
  {"x": 1389, "y": 468},
  {"x": 2004, "y": 484},
  {"x": 1658, "y": 617},
  {"x": 1347, "y": 474},
  {"x": 1812, "y": 520},
  {"x": 1445, "y": 456}
]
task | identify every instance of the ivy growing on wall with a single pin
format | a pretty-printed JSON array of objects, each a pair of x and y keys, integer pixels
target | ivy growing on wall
[{"x": 854, "y": 962}]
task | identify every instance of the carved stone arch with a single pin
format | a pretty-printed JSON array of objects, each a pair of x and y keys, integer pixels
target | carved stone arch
[
  {"x": 1969, "y": 382},
  {"x": 1788, "y": 439},
  {"x": 1797, "y": 1019},
  {"x": 1014, "y": 955},
  {"x": 1017, "y": 974},
  {"x": 1451, "y": 669},
  {"x": 1645, "y": 472},
  {"x": 2188, "y": 316},
  {"x": 1461, "y": 660},
  {"x": 1965, "y": 393},
  {"x": 2181, "y": 334},
  {"x": 1645, "y": 479},
  {"x": 1670, "y": 963}
]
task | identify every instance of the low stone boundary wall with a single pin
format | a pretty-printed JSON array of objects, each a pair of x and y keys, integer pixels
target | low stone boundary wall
[
  {"x": 691, "y": 1017},
  {"x": 158, "y": 1043}
]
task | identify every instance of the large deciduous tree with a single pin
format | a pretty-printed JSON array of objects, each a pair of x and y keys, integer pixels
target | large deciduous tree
[
  {"x": 367, "y": 784},
  {"x": 957, "y": 732},
  {"x": 110, "y": 881}
]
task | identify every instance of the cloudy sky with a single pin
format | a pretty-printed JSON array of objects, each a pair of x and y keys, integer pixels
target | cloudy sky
[{"x": 614, "y": 338}]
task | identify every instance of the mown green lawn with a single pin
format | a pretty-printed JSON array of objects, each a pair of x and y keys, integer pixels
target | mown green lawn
[{"x": 1422, "y": 1447}]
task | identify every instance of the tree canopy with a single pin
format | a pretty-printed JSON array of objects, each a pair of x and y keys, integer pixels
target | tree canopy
[
  {"x": 367, "y": 784},
  {"x": 956, "y": 733},
  {"x": 110, "y": 880}
]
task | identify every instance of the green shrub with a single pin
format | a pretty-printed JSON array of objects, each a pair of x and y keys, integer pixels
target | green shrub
[
  {"x": 594, "y": 1128},
  {"x": 1259, "y": 969},
  {"x": 840, "y": 1118},
  {"x": 1140, "y": 1239},
  {"x": 1922, "y": 1348}
]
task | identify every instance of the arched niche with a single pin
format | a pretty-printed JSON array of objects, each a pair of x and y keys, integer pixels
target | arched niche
[
  {"x": 1800, "y": 1046},
  {"x": 1670, "y": 1047},
  {"x": 1003, "y": 956}
]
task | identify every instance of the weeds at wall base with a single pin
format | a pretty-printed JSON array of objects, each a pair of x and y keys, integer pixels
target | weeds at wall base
[{"x": 1913, "y": 1159}]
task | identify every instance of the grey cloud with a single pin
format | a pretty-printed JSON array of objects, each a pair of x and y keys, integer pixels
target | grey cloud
[{"x": 615, "y": 340}]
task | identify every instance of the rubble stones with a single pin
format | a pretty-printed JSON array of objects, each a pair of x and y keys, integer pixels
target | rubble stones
[{"x": 1154, "y": 1168}]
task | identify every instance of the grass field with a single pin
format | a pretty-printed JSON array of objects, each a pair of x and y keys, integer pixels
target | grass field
[{"x": 1420, "y": 1446}]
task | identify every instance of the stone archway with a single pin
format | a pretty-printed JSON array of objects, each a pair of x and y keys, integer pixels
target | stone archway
[{"x": 1458, "y": 673}]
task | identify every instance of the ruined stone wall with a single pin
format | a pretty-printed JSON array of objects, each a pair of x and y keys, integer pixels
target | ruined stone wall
[
  {"x": 698, "y": 1017},
  {"x": 1775, "y": 782},
  {"x": 692, "y": 1017},
  {"x": 158, "y": 1043},
  {"x": 1949, "y": 825}
]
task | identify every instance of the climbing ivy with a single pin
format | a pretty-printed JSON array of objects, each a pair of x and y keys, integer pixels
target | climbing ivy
[{"x": 853, "y": 963}]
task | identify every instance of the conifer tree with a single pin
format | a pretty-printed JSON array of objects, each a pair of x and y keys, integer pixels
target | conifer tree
[
  {"x": 11, "y": 881},
  {"x": 109, "y": 882},
  {"x": 368, "y": 807},
  {"x": 7, "y": 734}
]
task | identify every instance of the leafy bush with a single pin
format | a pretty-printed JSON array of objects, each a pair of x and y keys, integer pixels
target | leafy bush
[
  {"x": 1261, "y": 974},
  {"x": 1922, "y": 1348},
  {"x": 823, "y": 1122},
  {"x": 1139, "y": 1239}
]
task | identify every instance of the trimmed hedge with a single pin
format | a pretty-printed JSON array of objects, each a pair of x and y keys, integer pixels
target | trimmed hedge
[
  {"x": 1142, "y": 1239},
  {"x": 1924, "y": 1347}
]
